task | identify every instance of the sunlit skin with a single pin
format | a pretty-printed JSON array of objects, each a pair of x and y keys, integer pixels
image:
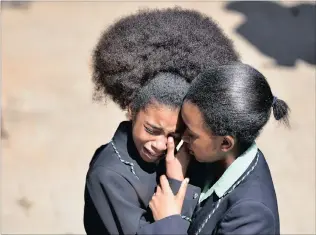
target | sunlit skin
[
  {"x": 205, "y": 146},
  {"x": 151, "y": 128}
]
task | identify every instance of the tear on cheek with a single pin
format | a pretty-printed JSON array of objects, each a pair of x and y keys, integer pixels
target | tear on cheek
[{"x": 179, "y": 145}]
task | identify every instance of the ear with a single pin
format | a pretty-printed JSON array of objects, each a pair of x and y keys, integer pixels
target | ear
[{"x": 228, "y": 143}]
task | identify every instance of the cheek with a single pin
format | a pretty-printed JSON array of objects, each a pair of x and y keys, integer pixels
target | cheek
[
  {"x": 197, "y": 146},
  {"x": 202, "y": 147},
  {"x": 141, "y": 137}
]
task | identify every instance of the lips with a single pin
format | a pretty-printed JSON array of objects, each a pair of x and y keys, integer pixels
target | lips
[{"x": 151, "y": 154}]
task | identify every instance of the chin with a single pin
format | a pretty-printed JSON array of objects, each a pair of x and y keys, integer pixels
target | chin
[
  {"x": 199, "y": 160},
  {"x": 146, "y": 159},
  {"x": 202, "y": 160},
  {"x": 149, "y": 159}
]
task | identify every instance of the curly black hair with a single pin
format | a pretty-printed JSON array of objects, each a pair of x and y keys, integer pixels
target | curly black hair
[
  {"x": 236, "y": 100},
  {"x": 132, "y": 51},
  {"x": 166, "y": 88}
]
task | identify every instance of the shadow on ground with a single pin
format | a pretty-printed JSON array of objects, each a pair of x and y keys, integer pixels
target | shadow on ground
[
  {"x": 23, "y": 5},
  {"x": 283, "y": 33}
]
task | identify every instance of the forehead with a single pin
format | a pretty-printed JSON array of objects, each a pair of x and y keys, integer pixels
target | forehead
[
  {"x": 192, "y": 116},
  {"x": 160, "y": 116}
]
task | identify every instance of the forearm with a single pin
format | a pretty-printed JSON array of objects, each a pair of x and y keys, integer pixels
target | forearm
[
  {"x": 191, "y": 197},
  {"x": 170, "y": 225}
]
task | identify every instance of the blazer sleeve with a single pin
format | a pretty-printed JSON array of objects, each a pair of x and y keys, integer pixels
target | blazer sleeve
[
  {"x": 115, "y": 201},
  {"x": 248, "y": 217},
  {"x": 173, "y": 224},
  {"x": 191, "y": 197}
]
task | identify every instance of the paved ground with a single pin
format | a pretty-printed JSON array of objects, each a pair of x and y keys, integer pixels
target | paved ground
[{"x": 52, "y": 127}]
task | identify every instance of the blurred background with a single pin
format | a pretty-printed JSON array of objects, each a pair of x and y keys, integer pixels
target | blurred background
[{"x": 51, "y": 127}]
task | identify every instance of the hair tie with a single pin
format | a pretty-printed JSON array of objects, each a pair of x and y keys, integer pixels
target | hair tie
[{"x": 274, "y": 100}]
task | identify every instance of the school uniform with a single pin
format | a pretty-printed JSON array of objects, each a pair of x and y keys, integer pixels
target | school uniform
[
  {"x": 119, "y": 186},
  {"x": 241, "y": 201}
]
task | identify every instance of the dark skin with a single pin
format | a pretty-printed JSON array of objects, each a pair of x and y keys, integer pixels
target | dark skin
[
  {"x": 206, "y": 147},
  {"x": 152, "y": 127},
  {"x": 203, "y": 144}
]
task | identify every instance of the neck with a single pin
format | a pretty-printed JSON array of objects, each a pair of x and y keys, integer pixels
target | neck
[{"x": 221, "y": 166}]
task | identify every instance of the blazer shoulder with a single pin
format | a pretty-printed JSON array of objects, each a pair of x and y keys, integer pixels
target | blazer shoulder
[
  {"x": 105, "y": 158},
  {"x": 257, "y": 185},
  {"x": 106, "y": 175},
  {"x": 249, "y": 217}
]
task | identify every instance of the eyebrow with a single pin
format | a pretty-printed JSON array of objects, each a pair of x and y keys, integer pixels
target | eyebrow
[{"x": 157, "y": 128}]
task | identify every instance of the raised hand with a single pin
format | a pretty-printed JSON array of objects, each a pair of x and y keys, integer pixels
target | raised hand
[
  {"x": 164, "y": 203},
  {"x": 176, "y": 165}
]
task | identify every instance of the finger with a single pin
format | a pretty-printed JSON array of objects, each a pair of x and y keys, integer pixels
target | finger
[
  {"x": 151, "y": 204},
  {"x": 170, "y": 149},
  {"x": 165, "y": 184},
  {"x": 184, "y": 157},
  {"x": 158, "y": 191},
  {"x": 153, "y": 208},
  {"x": 182, "y": 191}
]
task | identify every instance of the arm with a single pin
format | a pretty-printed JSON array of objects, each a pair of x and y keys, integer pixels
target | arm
[
  {"x": 166, "y": 208},
  {"x": 191, "y": 197},
  {"x": 176, "y": 168},
  {"x": 173, "y": 224},
  {"x": 170, "y": 221},
  {"x": 115, "y": 201},
  {"x": 248, "y": 217}
]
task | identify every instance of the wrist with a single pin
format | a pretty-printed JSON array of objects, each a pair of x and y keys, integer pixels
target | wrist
[
  {"x": 167, "y": 215},
  {"x": 176, "y": 177},
  {"x": 179, "y": 178}
]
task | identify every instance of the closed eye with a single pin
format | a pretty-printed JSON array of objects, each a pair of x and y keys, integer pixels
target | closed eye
[
  {"x": 151, "y": 131},
  {"x": 191, "y": 135}
]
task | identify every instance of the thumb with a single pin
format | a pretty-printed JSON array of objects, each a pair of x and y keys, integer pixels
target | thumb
[
  {"x": 170, "y": 149},
  {"x": 182, "y": 191}
]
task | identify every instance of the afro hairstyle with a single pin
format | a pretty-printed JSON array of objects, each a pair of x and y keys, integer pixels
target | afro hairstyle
[{"x": 132, "y": 51}]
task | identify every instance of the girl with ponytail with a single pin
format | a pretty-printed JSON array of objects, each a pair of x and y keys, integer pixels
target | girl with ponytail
[{"x": 224, "y": 111}]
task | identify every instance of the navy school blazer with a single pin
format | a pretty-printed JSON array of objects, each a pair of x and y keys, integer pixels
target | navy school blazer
[
  {"x": 248, "y": 207},
  {"x": 119, "y": 186}
]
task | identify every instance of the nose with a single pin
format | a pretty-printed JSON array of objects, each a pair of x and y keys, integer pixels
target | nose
[{"x": 160, "y": 143}]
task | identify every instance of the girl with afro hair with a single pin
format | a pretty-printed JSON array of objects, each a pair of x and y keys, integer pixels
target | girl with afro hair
[{"x": 145, "y": 63}]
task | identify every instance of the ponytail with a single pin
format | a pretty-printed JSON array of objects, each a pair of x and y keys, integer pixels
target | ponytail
[{"x": 280, "y": 111}]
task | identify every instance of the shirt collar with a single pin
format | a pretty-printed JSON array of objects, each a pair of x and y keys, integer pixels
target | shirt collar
[
  {"x": 124, "y": 143},
  {"x": 123, "y": 140},
  {"x": 231, "y": 175}
]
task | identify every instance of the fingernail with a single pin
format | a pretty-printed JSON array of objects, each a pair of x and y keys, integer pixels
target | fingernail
[{"x": 187, "y": 180}]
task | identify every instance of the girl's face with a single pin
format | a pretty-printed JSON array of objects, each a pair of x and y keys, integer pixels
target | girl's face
[
  {"x": 205, "y": 146},
  {"x": 151, "y": 128}
]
